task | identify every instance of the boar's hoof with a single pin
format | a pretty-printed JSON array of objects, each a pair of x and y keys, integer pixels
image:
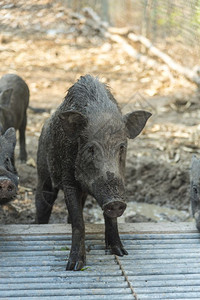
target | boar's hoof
[
  {"x": 74, "y": 265},
  {"x": 118, "y": 250},
  {"x": 114, "y": 209},
  {"x": 23, "y": 158}
]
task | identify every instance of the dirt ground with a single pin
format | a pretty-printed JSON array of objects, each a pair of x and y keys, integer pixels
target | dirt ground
[{"x": 40, "y": 43}]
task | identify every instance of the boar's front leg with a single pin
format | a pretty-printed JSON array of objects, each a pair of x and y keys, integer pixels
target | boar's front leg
[
  {"x": 112, "y": 238},
  {"x": 73, "y": 198},
  {"x": 22, "y": 140}
]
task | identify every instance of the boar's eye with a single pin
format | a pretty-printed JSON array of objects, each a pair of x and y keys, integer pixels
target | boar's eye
[
  {"x": 7, "y": 160},
  {"x": 195, "y": 189},
  {"x": 8, "y": 164},
  {"x": 91, "y": 150},
  {"x": 122, "y": 149}
]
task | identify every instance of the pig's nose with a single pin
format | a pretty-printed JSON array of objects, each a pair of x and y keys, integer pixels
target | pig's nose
[
  {"x": 114, "y": 209},
  {"x": 7, "y": 188}
]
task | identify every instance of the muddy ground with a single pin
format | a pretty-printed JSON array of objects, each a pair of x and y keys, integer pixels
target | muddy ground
[{"x": 40, "y": 42}]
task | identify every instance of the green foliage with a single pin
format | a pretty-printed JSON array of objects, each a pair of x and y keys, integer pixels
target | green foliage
[
  {"x": 196, "y": 16},
  {"x": 64, "y": 248},
  {"x": 169, "y": 18},
  {"x": 85, "y": 268},
  {"x": 174, "y": 18}
]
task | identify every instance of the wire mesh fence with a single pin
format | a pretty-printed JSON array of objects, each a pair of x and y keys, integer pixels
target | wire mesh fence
[
  {"x": 174, "y": 25},
  {"x": 174, "y": 22}
]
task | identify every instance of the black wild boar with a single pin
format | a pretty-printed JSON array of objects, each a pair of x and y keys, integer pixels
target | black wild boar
[
  {"x": 82, "y": 150},
  {"x": 195, "y": 189},
  {"x": 8, "y": 174},
  {"x": 14, "y": 99}
]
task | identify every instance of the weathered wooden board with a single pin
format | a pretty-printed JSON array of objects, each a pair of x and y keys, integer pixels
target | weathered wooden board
[{"x": 163, "y": 263}]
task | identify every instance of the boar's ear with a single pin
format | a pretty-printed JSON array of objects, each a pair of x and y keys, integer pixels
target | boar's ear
[
  {"x": 10, "y": 135},
  {"x": 5, "y": 97},
  {"x": 135, "y": 122},
  {"x": 73, "y": 123}
]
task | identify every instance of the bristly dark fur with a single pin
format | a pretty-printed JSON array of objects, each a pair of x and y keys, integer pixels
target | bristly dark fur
[
  {"x": 86, "y": 90},
  {"x": 14, "y": 100},
  {"x": 8, "y": 174},
  {"x": 82, "y": 150},
  {"x": 195, "y": 189}
]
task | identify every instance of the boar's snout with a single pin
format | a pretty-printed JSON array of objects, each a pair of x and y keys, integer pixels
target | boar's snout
[
  {"x": 114, "y": 209},
  {"x": 7, "y": 190}
]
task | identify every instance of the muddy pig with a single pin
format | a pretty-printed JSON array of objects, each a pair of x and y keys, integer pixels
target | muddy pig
[
  {"x": 82, "y": 150},
  {"x": 14, "y": 99},
  {"x": 8, "y": 174},
  {"x": 195, "y": 189}
]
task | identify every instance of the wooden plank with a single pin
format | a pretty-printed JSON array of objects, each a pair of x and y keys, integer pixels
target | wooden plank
[
  {"x": 59, "y": 273},
  {"x": 163, "y": 263},
  {"x": 34, "y": 229},
  {"x": 80, "y": 297},
  {"x": 170, "y": 296},
  {"x": 65, "y": 292},
  {"x": 62, "y": 285}
]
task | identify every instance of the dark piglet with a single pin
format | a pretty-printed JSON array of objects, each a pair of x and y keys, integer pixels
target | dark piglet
[
  {"x": 195, "y": 189},
  {"x": 82, "y": 150},
  {"x": 14, "y": 99},
  {"x": 8, "y": 174}
]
